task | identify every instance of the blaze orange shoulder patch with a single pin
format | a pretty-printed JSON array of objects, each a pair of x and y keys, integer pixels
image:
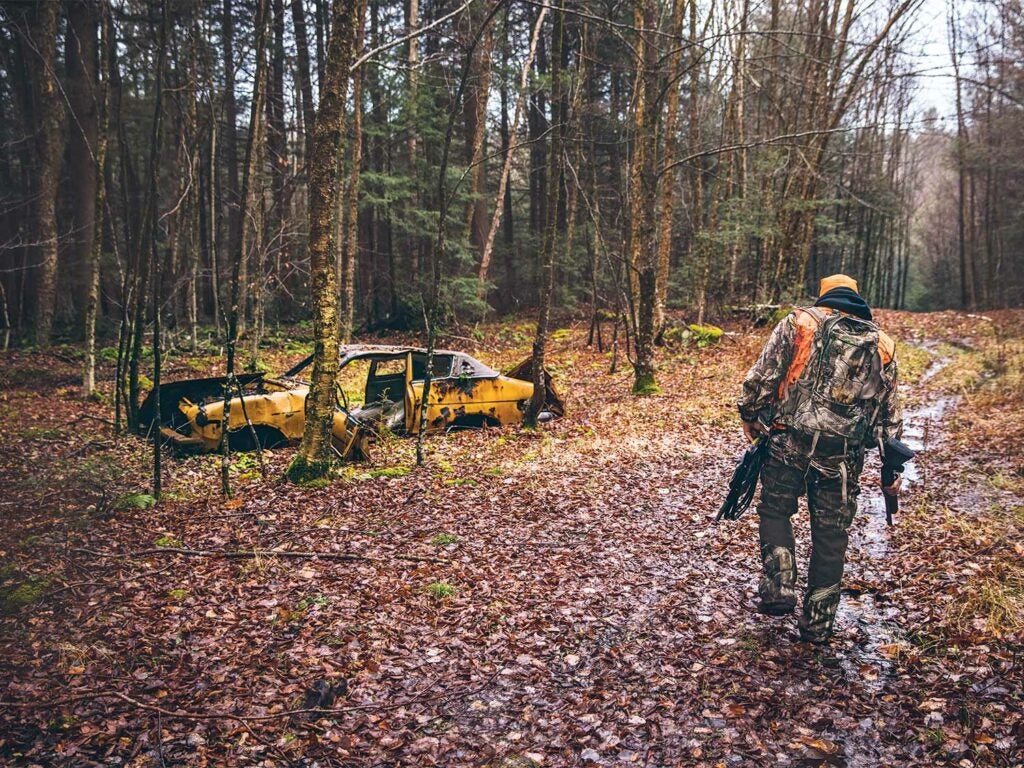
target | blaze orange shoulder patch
[
  {"x": 806, "y": 326},
  {"x": 886, "y": 347}
]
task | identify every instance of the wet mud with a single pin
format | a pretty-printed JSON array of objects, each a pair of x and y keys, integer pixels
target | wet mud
[{"x": 867, "y": 615}]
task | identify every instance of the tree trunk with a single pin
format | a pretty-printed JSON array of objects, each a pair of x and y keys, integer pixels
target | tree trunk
[
  {"x": 503, "y": 200},
  {"x": 666, "y": 207},
  {"x": 412, "y": 23},
  {"x": 276, "y": 239},
  {"x": 39, "y": 49},
  {"x": 350, "y": 232},
  {"x": 314, "y": 455},
  {"x": 642, "y": 257},
  {"x": 474, "y": 110},
  {"x": 229, "y": 134},
  {"x": 549, "y": 252},
  {"x": 303, "y": 74},
  {"x": 86, "y": 153}
]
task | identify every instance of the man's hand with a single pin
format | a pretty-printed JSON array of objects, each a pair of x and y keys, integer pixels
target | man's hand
[
  {"x": 752, "y": 430},
  {"x": 894, "y": 489}
]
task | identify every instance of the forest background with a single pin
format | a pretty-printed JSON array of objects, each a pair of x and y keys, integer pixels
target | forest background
[
  {"x": 187, "y": 184},
  {"x": 614, "y": 159}
]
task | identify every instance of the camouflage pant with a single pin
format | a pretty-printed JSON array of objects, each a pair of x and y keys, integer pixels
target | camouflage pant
[{"x": 832, "y": 500}]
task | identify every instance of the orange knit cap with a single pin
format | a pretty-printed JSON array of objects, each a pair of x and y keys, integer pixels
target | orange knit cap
[{"x": 836, "y": 281}]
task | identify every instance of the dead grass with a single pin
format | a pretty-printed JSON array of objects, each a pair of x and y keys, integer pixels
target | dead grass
[
  {"x": 994, "y": 601},
  {"x": 913, "y": 361}
]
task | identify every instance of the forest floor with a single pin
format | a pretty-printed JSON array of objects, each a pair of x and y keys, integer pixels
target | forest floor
[{"x": 552, "y": 597}]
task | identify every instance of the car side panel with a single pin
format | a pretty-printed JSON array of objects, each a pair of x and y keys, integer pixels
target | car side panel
[
  {"x": 283, "y": 411},
  {"x": 497, "y": 398}
]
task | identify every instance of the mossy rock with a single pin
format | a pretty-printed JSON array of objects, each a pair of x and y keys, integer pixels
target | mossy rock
[
  {"x": 17, "y": 596},
  {"x": 706, "y": 335}
]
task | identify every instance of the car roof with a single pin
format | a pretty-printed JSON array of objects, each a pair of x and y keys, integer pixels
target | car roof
[{"x": 350, "y": 352}]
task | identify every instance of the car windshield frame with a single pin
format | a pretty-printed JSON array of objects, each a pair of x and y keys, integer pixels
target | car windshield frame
[{"x": 461, "y": 363}]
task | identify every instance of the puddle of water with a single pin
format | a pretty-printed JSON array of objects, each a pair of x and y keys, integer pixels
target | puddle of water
[
  {"x": 936, "y": 365},
  {"x": 866, "y": 665},
  {"x": 921, "y": 427}
]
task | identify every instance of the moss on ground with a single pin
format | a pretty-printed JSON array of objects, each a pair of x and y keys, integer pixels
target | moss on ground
[
  {"x": 19, "y": 595},
  {"x": 646, "y": 384},
  {"x": 304, "y": 472}
]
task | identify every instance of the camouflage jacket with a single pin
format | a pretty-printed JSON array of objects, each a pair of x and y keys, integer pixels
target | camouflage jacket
[{"x": 782, "y": 362}]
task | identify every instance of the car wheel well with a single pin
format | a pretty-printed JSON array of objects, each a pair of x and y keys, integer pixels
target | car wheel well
[
  {"x": 268, "y": 437},
  {"x": 474, "y": 421}
]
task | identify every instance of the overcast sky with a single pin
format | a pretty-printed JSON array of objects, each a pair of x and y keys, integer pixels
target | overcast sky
[{"x": 936, "y": 86}]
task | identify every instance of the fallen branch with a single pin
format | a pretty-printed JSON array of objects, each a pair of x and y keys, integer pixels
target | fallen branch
[
  {"x": 89, "y": 416},
  {"x": 86, "y": 446},
  {"x": 246, "y": 554}
]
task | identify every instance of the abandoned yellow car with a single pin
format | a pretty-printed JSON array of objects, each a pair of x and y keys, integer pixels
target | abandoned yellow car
[{"x": 385, "y": 396}]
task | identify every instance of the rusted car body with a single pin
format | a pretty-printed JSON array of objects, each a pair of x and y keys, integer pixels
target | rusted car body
[{"x": 271, "y": 410}]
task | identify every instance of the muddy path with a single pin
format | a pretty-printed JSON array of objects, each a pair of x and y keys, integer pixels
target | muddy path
[{"x": 868, "y": 615}]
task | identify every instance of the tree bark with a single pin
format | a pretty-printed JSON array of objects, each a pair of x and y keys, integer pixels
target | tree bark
[
  {"x": 314, "y": 454},
  {"x": 39, "y": 49},
  {"x": 549, "y": 252},
  {"x": 642, "y": 257}
]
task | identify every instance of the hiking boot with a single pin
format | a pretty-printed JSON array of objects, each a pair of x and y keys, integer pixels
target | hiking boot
[
  {"x": 819, "y": 614},
  {"x": 777, "y": 589},
  {"x": 810, "y": 637},
  {"x": 776, "y": 607}
]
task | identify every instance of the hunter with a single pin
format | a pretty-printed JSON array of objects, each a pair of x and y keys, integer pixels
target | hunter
[{"x": 822, "y": 391}]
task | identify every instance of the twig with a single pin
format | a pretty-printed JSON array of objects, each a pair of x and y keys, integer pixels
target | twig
[{"x": 100, "y": 419}]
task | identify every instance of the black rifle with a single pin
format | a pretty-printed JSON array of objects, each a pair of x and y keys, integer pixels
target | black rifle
[
  {"x": 744, "y": 480},
  {"x": 895, "y": 455}
]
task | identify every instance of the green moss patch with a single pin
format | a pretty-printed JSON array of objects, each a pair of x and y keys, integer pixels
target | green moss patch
[
  {"x": 440, "y": 590},
  {"x": 705, "y": 335},
  {"x": 304, "y": 472},
  {"x": 20, "y": 594},
  {"x": 389, "y": 472},
  {"x": 645, "y": 384},
  {"x": 135, "y": 501}
]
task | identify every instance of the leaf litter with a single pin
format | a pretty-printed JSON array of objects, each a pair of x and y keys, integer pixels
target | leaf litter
[{"x": 592, "y": 614}]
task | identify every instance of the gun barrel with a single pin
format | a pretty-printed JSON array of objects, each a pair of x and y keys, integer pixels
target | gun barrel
[{"x": 892, "y": 506}]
